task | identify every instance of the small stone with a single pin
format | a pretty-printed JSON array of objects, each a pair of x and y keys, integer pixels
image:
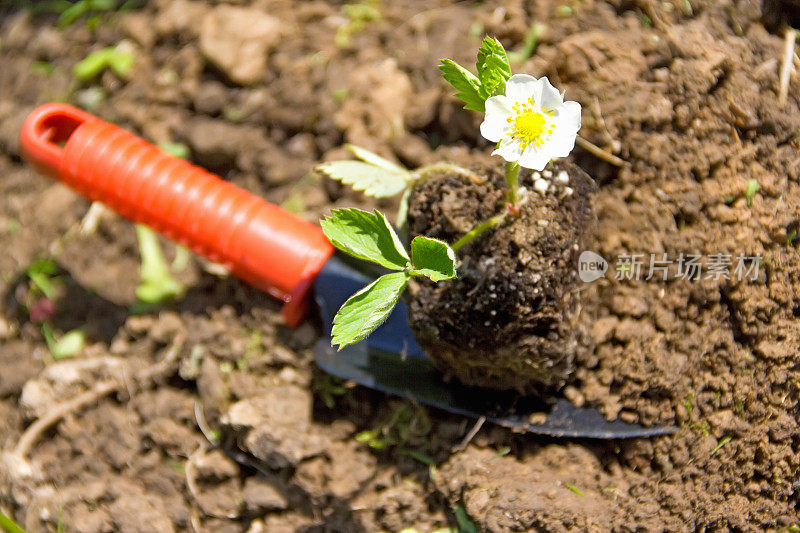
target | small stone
[
  {"x": 260, "y": 496},
  {"x": 305, "y": 335},
  {"x": 138, "y": 27},
  {"x": 562, "y": 177},
  {"x": 140, "y": 512},
  {"x": 281, "y": 430},
  {"x": 237, "y": 40},
  {"x": 6, "y": 329},
  {"x": 568, "y": 191},
  {"x": 211, "y": 98},
  {"x": 537, "y": 418},
  {"x": 574, "y": 395},
  {"x": 603, "y": 329},
  {"x": 216, "y": 466},
  {"x": 547, "y": 173},
  {"x": 175, "y": 440},
  {"x": 541, "y": 185},
  {"x": 179, "y": 17},
  {"x": 543, "y": 223},
  {"x": 216, "y": 142}
]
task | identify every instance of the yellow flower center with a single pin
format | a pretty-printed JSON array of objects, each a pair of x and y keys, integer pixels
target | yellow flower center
[{"x": 529, "y": 125}]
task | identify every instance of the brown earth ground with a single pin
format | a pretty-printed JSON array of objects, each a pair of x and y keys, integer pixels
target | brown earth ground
[{"x": 685, "y": 91}]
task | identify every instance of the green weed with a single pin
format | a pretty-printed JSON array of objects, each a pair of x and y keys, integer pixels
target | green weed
[
  {"x": 573, "y": 488},
  {"x": 158, "y": 285},
  {"x": 358, "y": 15},
  {"x": 119, "y": 59},
  {"x": 406, "y": 424},
  {"x": 8, "y": 525},
  {"x": 750, "y": 193}
]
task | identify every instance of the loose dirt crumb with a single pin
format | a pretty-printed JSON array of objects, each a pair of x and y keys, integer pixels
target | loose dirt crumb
[{"x": 686, "y": 97}]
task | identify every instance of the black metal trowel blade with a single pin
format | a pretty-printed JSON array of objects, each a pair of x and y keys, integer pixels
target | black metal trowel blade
[{"x": 390, "y": 360}]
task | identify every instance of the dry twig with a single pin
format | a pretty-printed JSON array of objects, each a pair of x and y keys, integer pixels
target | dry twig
[
  {"x": 786, "y": 66},
  {"x": 17, "y": 458},
  {"x": 598, "y": 152},
  {"x": 471, "y": 435}
]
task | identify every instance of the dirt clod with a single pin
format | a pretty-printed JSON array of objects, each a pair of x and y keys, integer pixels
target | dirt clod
[
  {"x": 516, "y": 295},
  {"x": 684, "y": 91},
  {"x": 237, "y": 40}
]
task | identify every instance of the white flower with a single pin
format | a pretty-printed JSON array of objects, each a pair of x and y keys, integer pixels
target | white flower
[{"x": 532, "y": 123}]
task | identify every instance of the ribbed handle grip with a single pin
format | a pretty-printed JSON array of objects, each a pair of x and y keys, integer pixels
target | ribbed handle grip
[{"x": 258, "y": 241}]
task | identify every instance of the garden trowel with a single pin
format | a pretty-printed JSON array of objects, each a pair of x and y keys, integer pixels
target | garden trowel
[{"x": 281, "y": 254}]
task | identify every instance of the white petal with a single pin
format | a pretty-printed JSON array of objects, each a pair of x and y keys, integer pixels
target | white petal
[
  {"x": 568, "y": 115},
  {"x": 508, "y": 150},
  {"x": 520, "y": 87},
  {"x": 551, "y": 98},
  {"x": 535, "y": 158},
  {"x": 567, "y": 124},
  {"x": 561, "y": 144},
  {"x": 494, "y": 126},
  {"x": 498, "y": 104},
  {"x": 495, "y": 123}
]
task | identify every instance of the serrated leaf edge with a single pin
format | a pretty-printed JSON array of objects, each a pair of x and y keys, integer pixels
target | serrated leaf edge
[{"x": 387, "y": 310}]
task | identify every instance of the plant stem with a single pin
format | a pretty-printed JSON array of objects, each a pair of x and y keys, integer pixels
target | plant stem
[
  {"x": 477, "y": 230},
  {"x": 423, "y": 173},
  {"x": 512, "y": 181},
  {"x": 6, "y": 524}
]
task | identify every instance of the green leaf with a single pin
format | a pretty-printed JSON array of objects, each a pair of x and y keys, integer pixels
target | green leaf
[
  {"x": 69, "y": 345},
  {"x": 118, "y": 60},
  {"x": 493, "y": 67},
  {"x": 433, "y": 258},
  {"x": 573, "y": 488},
  {"x": 157, "y": 284},
  {"x": 121, "y": 62},
  {"x": 367, "y": 236},
  {"x": 402, "y": 210},
  {"x": 178, "y": 150},
  {"x": 73, "y": 13},
  {"x": 8, "y": 525},
  {"x": 465, "y": 524},
  {"x": 466, "y": 83},
  {"x": 367, "y": 309},
  {"x": 752, "y": 188},
  {"x": 374, "y": 181},
  {"x": 41, "y": 273},
  {"x": 531, "y": 43},
  {"x": 50, "y": 6},
  {"x": 374, "y": 159},
  {"x": 92, "y": 65}
]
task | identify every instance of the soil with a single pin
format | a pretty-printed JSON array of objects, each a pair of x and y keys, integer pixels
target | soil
[
  {"x": 685, "y": 92},
  {"x": 517, "y": 289}
]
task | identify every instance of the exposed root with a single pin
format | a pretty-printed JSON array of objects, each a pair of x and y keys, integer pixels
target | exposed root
[
  {"x": 191, "y": 474},
  {"x": 205, "y": 429},
  {"x": 461, "y": 446},
  {"x": 17, "y": 459},
  {"x": 91, "y": 220},
  {"x": 427, "y": 171},
  {"x": 612, "y": 144},
  {"x": 55, "y": 414},
  {"x": 191, "y": 483},
  {"x": 598, "y": 152},
  {"x": 786, "y": 66}
]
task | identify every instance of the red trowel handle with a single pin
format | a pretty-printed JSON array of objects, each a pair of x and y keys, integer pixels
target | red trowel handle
[{"x": 257, "y": 241}]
